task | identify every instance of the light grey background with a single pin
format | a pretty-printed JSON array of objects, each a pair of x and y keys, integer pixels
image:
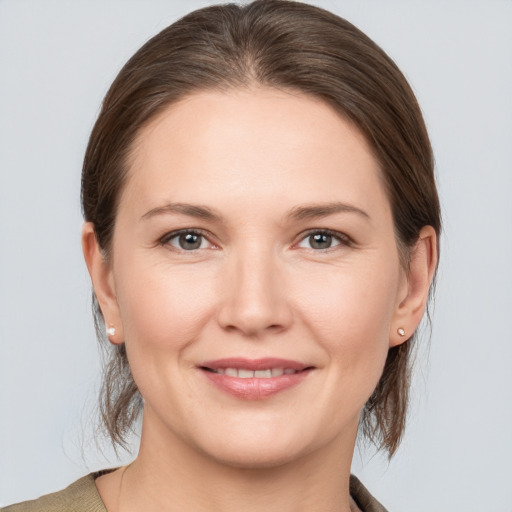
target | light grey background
[{"x": 57, "y": 59}]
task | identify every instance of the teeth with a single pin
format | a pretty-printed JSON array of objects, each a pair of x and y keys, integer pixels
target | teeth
[
  {"x": 242, "y": 373},
  {"x": 263, "y": 374}
]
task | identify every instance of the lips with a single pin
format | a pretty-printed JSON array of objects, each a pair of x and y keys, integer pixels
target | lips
[{"x": 255, "y": 379}]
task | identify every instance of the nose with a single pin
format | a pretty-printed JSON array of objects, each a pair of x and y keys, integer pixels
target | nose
[{"x": 254, "y": 298}]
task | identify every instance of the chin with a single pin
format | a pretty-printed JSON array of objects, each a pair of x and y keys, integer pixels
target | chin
[
  {"x": 254, "y": 457},
  {"x": 256, "y": 450}
]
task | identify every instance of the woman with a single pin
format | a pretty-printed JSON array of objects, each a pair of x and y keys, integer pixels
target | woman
[{"x": 261, "y": 233}]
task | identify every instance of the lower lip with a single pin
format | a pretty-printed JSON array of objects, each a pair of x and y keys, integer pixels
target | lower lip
[{"x": 255, "y": 388}]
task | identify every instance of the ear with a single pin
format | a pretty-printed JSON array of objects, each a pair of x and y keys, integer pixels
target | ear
[
  {"x": 413, "y": 293},
  {"x": 102, "y": 279}
]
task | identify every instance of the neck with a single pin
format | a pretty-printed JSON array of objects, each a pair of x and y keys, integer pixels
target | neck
[{"x": 169, "y": 475}]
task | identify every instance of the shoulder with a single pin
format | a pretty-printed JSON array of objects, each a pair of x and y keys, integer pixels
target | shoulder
[
  {"x": 360, "y": 494},
  {"x": 80, "y": 496}
]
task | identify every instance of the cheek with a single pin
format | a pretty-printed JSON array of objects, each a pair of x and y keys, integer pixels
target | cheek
[
  {"x": 162, "y": 307},
  {"x": 351, "y": 318},
  {"x": 163, "y": 311},
  {"x": 351, "y": 301}
]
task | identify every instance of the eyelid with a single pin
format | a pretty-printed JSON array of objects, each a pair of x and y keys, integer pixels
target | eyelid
[
  {"x": 341, "y": 237},
  {"x": 344, "y": 239},
  {"x": 164, "y": 240}
]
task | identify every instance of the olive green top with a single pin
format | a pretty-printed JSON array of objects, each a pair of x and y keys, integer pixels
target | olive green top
[
  {"x": 83, "y": 496},
  {"x": 80, "y": 496}
]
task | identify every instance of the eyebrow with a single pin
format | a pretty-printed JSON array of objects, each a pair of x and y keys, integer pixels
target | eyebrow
[
  {"x": 312, "y": 211},
  {"x": 192, "y": 210},
  {"x": 316, "y": 211}
]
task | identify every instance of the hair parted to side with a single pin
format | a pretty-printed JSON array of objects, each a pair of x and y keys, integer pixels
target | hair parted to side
[{"x": 286, "y": 45}]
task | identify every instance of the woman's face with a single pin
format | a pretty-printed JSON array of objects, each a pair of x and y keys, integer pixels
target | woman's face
[{"x": 254, "y": 235}]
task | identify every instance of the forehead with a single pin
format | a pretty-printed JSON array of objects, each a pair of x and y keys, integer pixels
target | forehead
[{"x": 246, "y": 145}]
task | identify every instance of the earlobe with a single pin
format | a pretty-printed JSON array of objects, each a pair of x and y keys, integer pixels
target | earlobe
[
  {"x": 422, "y": 266},
  {"x": 102, "y": 279}
]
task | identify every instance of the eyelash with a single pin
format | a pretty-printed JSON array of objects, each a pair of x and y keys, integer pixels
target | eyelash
[
  {"x": 343, "y": 239},
  {"x": 174, "y": 234}
]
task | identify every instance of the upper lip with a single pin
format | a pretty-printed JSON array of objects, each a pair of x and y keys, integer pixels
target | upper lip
[{"x": 254, "y": 364}]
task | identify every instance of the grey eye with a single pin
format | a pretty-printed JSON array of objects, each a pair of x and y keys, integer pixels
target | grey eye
[
  {"x": 320, "y": 240},
  {"x": 188, "y": 241}
]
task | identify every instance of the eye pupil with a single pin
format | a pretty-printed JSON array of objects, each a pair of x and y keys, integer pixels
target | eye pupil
[
  {"x": 190, "y": 241},
  {"x": 320, "y": 241}
]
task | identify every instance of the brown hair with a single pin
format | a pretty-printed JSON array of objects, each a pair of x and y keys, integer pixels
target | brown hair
[{"x": 282, "y": 44}]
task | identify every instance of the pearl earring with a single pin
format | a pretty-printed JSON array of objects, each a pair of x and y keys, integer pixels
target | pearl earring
[
  {"x": 401, "y": 331},
  {"x": 111, "y": 331}
]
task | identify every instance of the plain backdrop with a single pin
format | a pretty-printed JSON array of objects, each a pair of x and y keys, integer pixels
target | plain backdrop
[{"x": 57, "y": 59}]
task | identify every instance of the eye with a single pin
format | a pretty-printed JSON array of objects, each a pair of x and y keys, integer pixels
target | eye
[
  {"x": 186, "y": 240},
  {"x": 323, "y": 239}
]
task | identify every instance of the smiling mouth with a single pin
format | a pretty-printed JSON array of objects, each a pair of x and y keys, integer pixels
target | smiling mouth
[
  {"x": 262, "y": 368},
  {"x": 255, "y": 379},
  {"x": 244, "y": 373}
]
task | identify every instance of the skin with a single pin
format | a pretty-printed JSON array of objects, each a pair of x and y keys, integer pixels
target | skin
[{"x": 256, "y": 287}]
